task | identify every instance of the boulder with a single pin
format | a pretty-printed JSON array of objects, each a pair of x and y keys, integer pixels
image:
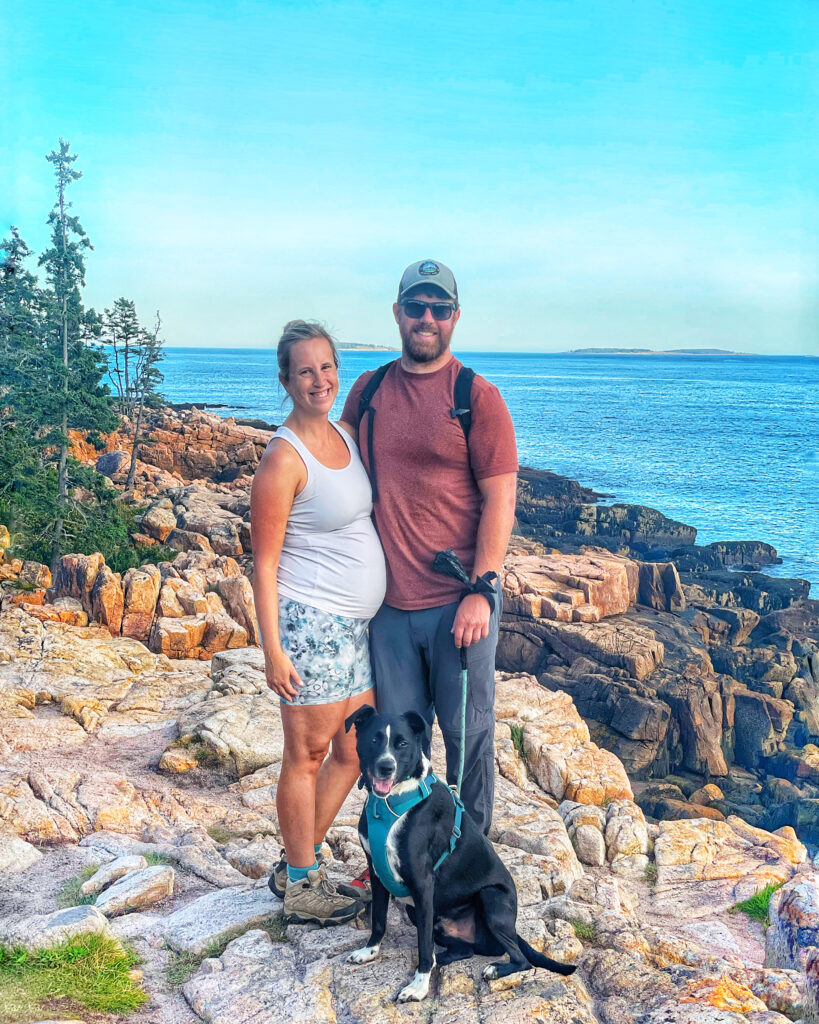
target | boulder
[
  {"x": 75, "y": 578},
  {"x": 141, "y": 588},
  {"x": 660, "y": 587},
  {"x": 111, "y": 872},
  {"x": 187, "y": 540},
  {"x": 137, "y": 889},
  {"x": 216, "y": 914},
  {"x": 16, "y": 854},
  {"x": 566, "y": 588},
  {"x": 108, "y": 600},
  {"x": 794, "y": 917},
  {"x": 760, "y": 724},
  {"x": 221, "y": 634},
  {"x": 732, "y": 626},
  {"x": 159, "y": 521},
  {"x": 244, "y": 730},
  {"x": 176, "y": 760},
  {"x": 114, "y": 465},
  {"x": 237, "y": 594},
  {"x": 41, "y": 931},
  {"x": 178, "y": 637},
  {"x": 34, "y": 574}
]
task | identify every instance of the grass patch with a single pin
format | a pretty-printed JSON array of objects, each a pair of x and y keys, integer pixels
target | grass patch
[
  {"x": 650, "y": 873},
  {"x": 756, "y": 906},
  {"x": 275, "y": 928},
  {"x": 220, "y": 834},
  {"x": 584, "y": 932},
  {"x": 70, "y": 894},
  {"x": 517, "y": 738},
  {"x": 158, "y": 858},
  {"x": 183, "y": 966},
  {"x": 206, "y": 757},
  {"x": 90, "y": 970}
]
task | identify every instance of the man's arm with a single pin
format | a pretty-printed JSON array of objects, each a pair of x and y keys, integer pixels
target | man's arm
[{"x": 494, "y": 529}]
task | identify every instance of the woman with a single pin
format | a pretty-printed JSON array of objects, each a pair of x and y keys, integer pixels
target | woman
[{"x": 318, "y": 577}]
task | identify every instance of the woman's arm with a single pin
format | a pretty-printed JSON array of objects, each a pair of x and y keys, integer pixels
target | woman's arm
[{"x": 280, "y": 477}]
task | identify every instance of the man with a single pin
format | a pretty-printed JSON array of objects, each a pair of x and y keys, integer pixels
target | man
[{"x": 433, "y": 489}]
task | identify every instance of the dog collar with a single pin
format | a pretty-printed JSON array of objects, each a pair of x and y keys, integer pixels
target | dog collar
[
  {"x": 397, "y": 806},
  {"x": 383, "y": 813}
]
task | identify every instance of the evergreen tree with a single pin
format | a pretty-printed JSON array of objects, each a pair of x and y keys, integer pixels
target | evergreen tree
[
  {"x": 22, "y": 318},
  {"x": 74, "y": 388},
  {"x": 133, "y": 369}
]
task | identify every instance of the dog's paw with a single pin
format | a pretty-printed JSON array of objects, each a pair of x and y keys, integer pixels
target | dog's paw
[
  {"x": 363, "y": 955},
  {"x": 490, "y": 973},
  {"x": 417, "y": 989}
]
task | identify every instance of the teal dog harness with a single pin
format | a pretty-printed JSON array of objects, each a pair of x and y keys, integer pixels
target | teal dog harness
[{"x": 384, "y": 813}]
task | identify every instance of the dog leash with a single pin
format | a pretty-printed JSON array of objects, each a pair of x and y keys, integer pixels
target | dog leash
[{"x": 448, "y": 563}]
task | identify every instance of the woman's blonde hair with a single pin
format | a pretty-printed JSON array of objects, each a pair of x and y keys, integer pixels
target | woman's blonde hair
[{"x": 301, "y": 330}]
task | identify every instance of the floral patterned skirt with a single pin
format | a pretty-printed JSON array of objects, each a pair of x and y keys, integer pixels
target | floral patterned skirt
[{"x": 331, "y": 653}]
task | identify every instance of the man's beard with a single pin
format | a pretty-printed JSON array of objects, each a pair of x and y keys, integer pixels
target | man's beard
[{"x": 424, "y": 351}]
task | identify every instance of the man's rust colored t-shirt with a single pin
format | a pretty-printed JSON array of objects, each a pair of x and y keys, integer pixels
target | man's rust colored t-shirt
[{"x": 428, "y": 499}]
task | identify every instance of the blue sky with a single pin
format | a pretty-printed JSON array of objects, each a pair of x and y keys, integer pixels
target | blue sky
[{"x": 603, "y": 173}]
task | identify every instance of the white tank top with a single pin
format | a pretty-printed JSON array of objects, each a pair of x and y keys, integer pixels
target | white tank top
[{"x": 331, "y": 556}]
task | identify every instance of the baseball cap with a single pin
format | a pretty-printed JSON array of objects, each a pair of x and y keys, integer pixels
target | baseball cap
[{"x": 428, "y": 272}]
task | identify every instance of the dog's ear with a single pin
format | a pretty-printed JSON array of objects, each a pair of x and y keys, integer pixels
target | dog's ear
[
  {"x": 416, "y": 722},
  {"x": 359, "y": 717}
]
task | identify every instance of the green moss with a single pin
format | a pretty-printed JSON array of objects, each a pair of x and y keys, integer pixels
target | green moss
[
  {"x": 757, "y": 906},
  {"x": 90, "y": 970},
  {"x": 650, "y": 874},
  {"x": 22, "y": 585},
  {"x": 70, "y": 894}
]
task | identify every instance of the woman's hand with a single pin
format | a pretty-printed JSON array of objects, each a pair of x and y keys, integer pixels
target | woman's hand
[{"x": 282, "y": 677}]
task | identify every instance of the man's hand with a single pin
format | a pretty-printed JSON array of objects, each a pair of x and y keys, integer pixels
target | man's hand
[{"x": 471, "y": 620}]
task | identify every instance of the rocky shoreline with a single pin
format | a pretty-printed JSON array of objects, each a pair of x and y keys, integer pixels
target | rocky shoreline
[{"x": 657, "y": 750}]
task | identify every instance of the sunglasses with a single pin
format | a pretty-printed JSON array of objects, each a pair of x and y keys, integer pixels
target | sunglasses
[{"x": 415, "y": 309}]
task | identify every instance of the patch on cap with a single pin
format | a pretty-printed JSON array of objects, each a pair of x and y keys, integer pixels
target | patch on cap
[{"x": 429, "y": 269}]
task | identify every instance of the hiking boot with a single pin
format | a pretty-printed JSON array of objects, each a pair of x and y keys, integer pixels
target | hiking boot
[
  {"x": 277, "y": 883},
  {"x": 359, "y": 888},
  {"x": 361, "y": 885},
  {"x": 316, "y": 899}
]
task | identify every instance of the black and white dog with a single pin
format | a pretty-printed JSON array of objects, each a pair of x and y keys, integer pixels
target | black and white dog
[{"x": 469, "y": 904}]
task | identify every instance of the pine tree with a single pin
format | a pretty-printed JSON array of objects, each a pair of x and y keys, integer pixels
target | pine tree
[
  {"x": 74, "y": 387},
  {"x": 135, "y": 353},
  {"x": 22, "y": 320}
]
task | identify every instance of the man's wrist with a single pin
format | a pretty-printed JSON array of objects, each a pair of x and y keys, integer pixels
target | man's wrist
[{"x": 485, "y": 586}]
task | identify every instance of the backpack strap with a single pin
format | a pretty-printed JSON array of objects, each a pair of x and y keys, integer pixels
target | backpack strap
[
  {"x": 462, "y": 411},
  {"x": 463, "y": 399},
  {"x": 364, "y": 405}
]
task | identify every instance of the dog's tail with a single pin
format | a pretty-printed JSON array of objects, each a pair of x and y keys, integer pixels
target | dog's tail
[{"x": 539, "y": 960}]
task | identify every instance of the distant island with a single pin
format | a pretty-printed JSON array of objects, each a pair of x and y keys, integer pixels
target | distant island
[
  {"x": 654, "y": 352},
  {"x": 348, "y": 346}
]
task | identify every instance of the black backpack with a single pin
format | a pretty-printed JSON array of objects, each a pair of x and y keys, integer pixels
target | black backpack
[{"x": 462, "y": 397}]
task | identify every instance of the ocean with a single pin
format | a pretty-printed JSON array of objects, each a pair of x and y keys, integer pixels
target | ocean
[{"x": 728, "y": 444}]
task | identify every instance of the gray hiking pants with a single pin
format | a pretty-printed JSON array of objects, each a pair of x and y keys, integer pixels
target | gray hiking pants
[{"x": 417, "y": 667}]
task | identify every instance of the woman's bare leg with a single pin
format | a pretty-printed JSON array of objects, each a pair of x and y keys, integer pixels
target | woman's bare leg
[
  {"x": 308, "y": 731},
  {"x": 338, "y": 774}
]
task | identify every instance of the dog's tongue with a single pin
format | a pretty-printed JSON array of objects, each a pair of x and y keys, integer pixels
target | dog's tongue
[{"x": 382, "y": 786}]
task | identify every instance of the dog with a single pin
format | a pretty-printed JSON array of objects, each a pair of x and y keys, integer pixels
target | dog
[{"x": 468, "y": 905}]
